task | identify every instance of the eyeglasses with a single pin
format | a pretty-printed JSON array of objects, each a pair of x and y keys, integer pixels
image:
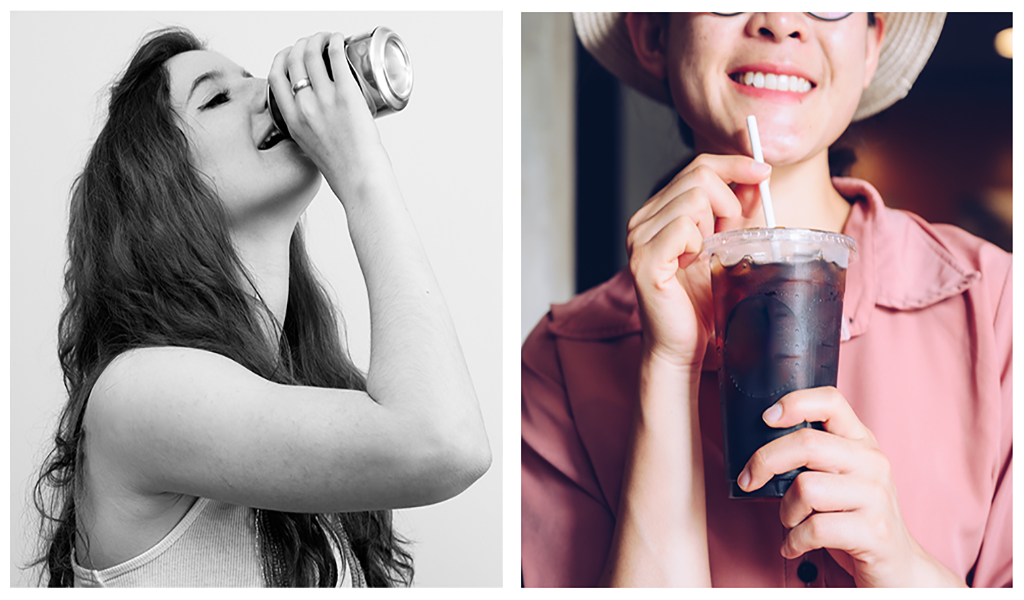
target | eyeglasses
[{"x": 821, "y": 16}]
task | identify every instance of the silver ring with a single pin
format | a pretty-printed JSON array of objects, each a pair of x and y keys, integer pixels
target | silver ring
[{"x": 300, "y": 84}]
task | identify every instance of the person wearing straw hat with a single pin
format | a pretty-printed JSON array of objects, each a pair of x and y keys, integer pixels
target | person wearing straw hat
[{"x": 622, "y": 467}]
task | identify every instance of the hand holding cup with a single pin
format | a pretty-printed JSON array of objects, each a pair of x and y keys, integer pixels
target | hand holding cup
[{"x": 847, "y": 501}]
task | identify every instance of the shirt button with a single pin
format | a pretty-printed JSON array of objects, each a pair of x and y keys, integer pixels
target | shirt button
[{"x": 807, "y": 572}]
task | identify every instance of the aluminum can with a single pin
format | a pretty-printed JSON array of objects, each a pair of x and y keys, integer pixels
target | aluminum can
[{"x": 380, "y": 63}]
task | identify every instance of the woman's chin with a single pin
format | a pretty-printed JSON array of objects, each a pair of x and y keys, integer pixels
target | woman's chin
[
  {"x": 289, "y": 198},
  {"x": 304, "y": 181},
  {"x": 784, "y": 157},
  {"x": 785, "y": 148}
]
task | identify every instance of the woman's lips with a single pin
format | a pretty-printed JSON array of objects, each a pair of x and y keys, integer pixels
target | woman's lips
[{"x": 772, "y": 82}]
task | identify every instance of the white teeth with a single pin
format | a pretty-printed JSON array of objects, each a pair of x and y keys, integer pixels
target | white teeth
[
  {"x": 274, "y": 132},
  {"x": 772, "y": 81}
]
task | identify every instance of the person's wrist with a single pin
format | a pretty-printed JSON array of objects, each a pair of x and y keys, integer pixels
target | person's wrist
[
  {"x": 655, "y": 358},
  {"x": 661, "y": 374},
  {"x": 671, "y": 361},
  {"x": 362, "y": 182},
  {"x": 927, "y": 571}
]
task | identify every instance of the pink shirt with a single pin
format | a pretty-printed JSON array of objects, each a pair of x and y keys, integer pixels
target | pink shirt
[{"x": 926, "y": 365}]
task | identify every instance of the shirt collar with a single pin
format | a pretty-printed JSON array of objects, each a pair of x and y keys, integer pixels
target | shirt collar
[{"x": 901, "y": 265}]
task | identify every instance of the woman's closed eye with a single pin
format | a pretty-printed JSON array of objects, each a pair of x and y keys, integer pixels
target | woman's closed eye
[{"x": 217, "y": 100}]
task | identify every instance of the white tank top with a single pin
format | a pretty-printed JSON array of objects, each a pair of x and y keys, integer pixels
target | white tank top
[{"x": 214, "y": 545}]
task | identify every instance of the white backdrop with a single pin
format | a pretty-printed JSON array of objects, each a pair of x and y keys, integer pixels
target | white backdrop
[{"x": 446, "y": 149}]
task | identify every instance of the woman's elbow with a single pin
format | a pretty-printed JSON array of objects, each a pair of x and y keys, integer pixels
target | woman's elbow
[
  {"x": 460, "y": 458},
  {"x": 474, "y": 460}
]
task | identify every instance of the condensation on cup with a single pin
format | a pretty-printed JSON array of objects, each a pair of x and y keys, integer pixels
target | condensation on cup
[{"x": 382, "y": 68}]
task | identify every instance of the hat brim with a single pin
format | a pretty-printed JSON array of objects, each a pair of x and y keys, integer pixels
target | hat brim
[{"x": 909, "y": 41}]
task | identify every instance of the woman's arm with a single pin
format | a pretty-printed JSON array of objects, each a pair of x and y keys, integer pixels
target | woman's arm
[
  {"x": 994, "y": 565},
  {"x": 193, "y": 422},
  {"x": 414, "y": 348},
  {"x": 661, "y": 529}
]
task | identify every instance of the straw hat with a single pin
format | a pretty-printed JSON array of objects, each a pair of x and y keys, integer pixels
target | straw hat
[{"x": 909, "y": 40}]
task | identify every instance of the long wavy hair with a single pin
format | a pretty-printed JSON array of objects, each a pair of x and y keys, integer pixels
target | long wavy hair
[{"x": 151, "y": 263}]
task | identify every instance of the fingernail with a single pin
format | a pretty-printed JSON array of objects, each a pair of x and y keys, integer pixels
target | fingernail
[
  {"x": 772, "y": 414},
  {"x": 744, "y": 479},
  {"x": 762, "y": 168}
]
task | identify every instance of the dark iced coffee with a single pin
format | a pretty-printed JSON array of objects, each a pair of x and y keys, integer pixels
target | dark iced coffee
[{"x": 778, "y": 314}]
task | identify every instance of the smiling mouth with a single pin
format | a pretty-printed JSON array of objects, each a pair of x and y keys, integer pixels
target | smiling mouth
[
  {"x": 273, "y": 137},
  {"x": 772, "y": 81}
]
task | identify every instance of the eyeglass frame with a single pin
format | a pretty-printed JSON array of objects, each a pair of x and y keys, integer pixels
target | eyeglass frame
[{"x": 815, "y": 15}]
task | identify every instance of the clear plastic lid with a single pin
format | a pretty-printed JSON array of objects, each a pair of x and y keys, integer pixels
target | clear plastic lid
[{"x": 780, "y": 244}]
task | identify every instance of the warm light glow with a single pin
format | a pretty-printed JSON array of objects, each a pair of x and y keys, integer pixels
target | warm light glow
[{"x": 1004, "y": 43}]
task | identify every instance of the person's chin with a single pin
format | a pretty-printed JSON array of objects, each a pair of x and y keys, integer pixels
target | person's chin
[
  {"x": 298, "y": 157},
  {"x": 301, "y": 174},
  {"x": 297, "y": 189}
]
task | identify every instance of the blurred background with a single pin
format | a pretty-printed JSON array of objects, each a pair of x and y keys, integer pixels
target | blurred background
[{"x": 593, "y": 150}]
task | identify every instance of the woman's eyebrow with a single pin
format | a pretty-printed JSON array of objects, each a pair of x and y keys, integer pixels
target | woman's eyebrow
[{"x": 209, "y": 76}]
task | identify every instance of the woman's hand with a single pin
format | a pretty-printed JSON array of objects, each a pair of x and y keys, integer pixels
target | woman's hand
[
  {"x": 846, "y": 502},
  {"x": 328, "y": 119},
  {"x": 664, "y": 241}
]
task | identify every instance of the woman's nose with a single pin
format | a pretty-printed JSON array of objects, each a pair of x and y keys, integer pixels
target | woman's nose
[
  {"x": 778, "y": 27},
  {"x": 258, "y": 94}
]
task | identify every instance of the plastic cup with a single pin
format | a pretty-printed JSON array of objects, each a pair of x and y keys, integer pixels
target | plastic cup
[{"x": 778, "y": 300}]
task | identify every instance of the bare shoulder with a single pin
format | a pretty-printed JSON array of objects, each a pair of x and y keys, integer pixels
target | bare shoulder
[
  {"x": 141, "y": 387},
  {"x": 147, "y": 369},
  {"x": 134, "y": 396}
]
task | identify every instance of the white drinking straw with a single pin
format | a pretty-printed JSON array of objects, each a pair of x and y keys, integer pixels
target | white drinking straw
[{"x": 766, "y": 196}]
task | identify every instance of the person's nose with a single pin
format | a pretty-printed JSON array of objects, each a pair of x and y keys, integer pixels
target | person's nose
[
  {"x": 258, "y": 94},
  {"x": 778, "y": 27}
]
